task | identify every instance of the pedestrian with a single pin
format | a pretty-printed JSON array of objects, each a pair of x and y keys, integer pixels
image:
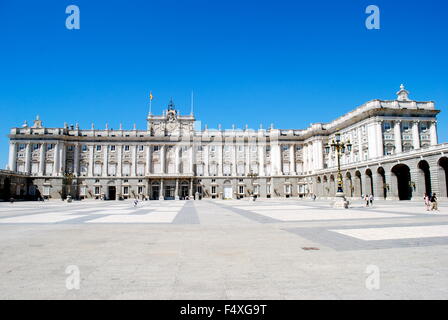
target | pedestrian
[
  {"x": 371, "y": 200},
  {"x": 434, "y": 202},
  {"x": 135, "y": 203},
  {"x": 426, "y": 198},
  {"x": 11, "y": 200},
  {"x": 366, "y": 199}
]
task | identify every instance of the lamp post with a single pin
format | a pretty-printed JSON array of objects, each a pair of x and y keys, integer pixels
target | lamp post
[
  {"x": 340, "y": 147},
  {"x": 253, "y": 176},
  {"x": 69, "y": 180}
]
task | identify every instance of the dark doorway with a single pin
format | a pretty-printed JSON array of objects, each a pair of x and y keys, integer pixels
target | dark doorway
[
  {"x": 169, "y": 192},
  {"x": 6, "y": 189},
  {"x": 403, "y": 174},
  {"x": 155, "y": 193},
  {"x": 443, "y": 163},
  {"x": 112, "y": 193},
  {"x": 382, "y": 180},
  {"x": 183, "y": 192},
  {"x": 424, "y": 166}
]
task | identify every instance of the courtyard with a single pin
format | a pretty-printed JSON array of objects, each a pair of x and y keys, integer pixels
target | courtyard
[{"x": 223, "y": 249}]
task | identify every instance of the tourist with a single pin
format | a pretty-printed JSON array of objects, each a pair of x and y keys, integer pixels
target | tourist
[
  {"x": 427, "y": 201},
  {"x": 366, "y": 199},
  {"x": 434, "y": 202},
  {"x": 371, "y": 200}
]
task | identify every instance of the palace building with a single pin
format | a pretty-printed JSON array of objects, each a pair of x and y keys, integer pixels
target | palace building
[{"x": 395, "y": 154}]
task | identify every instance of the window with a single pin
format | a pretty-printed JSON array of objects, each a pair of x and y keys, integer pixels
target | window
[
  {"x": 298, "y": 148},
  {"x": 212, "y": 149},
  {"x": 97, "y": 190},
  {"x": 126, "y": 190},
  {"x": 98, "y": 148},
  {"x": 140, "y": 190},
  {"x": 241, "y": 189},
  {"x": 268, "y": 149},
  {"x": 199, "y": 148},
  {"x": 285, "y": 148},
  {"x": 112, "y": 148},
  {"x": 140, "y": 181},
  {"x": 84, "y": 148},
  {"x": 141, "y": 148},
  {"x": 156, "y": 148},
  {"x": 423, "y": 126},
  {"x": 36, "y": 147},
  {"x": 50, "y": 147},
  {"x": 240, "y": 148},
  {"x": 21, "y": 146},
  {"x": 213, "y": 189},
  {"x": 387, "y": 126},
  {"x": 405, "y": 125},
  {"x": 126, "y": 148}
]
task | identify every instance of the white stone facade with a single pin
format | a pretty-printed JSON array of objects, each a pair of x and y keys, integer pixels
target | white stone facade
[{"x": 172, "y": 159}]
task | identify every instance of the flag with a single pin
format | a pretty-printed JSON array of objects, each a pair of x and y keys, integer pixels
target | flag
[{"x": 150, "y": 96}]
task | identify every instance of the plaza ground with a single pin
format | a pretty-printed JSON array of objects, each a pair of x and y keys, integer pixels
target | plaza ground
[{"x": 233, "y": 249}]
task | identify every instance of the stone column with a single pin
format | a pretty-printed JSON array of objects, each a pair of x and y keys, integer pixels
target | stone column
[
  {"x": 56, "y": 159},
  {"x": 148, "y": 160},
  {"x": 119, "y": 160},
  {"x": 161, "y": 190},
  {"x": 42, "y": 150},
  {"x": 205, "y": 157},
  {"x": 162, "y": 159},
  {"x": 28, "y": 158},
  {"x": 416, "y": 134},
  {"x": 105, "y": 160},
  {"x": 433, "y": 133},
  {"x": 220, "y": 159},
  {"x": 134, "y": 161},
  {"x": 190, "y": 193},
  {"x": 176, "y": 192},
  {"x": 235, "y": 160},
  {"x": 176, "y": 160},
  {"x": 191, "y": 159},
  {"x": 12, "y": 163},
  {"x": 91, "y": 160},
  {"x": 379, "y": 139},
  {"x": 261, "y": 155},
  {"x": 418, "y": 177},
  {"x": 397, "y": 137},
  {"x": 76, "y": 160},
  {"x": 247, "y": 152},
  {"x": 275, "y": 158},
  {"x": 62, "y": 157}
]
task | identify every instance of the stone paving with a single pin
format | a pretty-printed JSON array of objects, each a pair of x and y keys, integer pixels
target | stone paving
[{"x": 233, "y": 249}]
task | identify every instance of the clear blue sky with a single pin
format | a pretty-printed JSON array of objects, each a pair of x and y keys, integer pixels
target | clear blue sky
[{"x": 290, "y": 63}]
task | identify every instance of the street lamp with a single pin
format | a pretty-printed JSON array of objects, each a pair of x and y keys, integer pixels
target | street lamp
[
  {"x": 69, "y": 180},
  {"x": 253, "y": 176},
  {"x": 340, "y": 147}
]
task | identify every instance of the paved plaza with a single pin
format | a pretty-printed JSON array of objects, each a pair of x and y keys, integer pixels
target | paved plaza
[{"x": 223, "y": 249}]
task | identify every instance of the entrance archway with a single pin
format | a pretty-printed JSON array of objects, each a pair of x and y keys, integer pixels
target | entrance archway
[
  {"x": 228, "y": 190},
  {"x": 358, "y": 184},
  {"x": 403, "y": 175},
  {"x": 382, "y": 180},
  {"x": 425, "y": 176},
  {"x": 155, "y": 191},
  {"x": 443, "y": 175}
]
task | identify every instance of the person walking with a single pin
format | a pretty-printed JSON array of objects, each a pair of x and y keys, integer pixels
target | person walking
[
  {"x": 426, "y": 198},
  {"x": 366, "y": 199},
  {"x": 433, "y": 201},
  {"x": 371, "y": 200}
]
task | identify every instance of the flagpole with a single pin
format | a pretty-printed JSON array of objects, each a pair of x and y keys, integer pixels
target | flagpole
[
  {"x": 150, "y": 102},
  {"x": 192, "y": 102}
]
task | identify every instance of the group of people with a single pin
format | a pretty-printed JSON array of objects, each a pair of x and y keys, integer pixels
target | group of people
[
  {"x": 368, "y": 199},
  {"x": 430, "y": 202}
]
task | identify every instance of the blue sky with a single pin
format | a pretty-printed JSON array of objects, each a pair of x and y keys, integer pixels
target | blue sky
[{"x": 290, "y": 63}]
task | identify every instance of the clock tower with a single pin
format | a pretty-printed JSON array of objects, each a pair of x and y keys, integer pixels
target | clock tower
[{"x": 170, "y": 123}]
